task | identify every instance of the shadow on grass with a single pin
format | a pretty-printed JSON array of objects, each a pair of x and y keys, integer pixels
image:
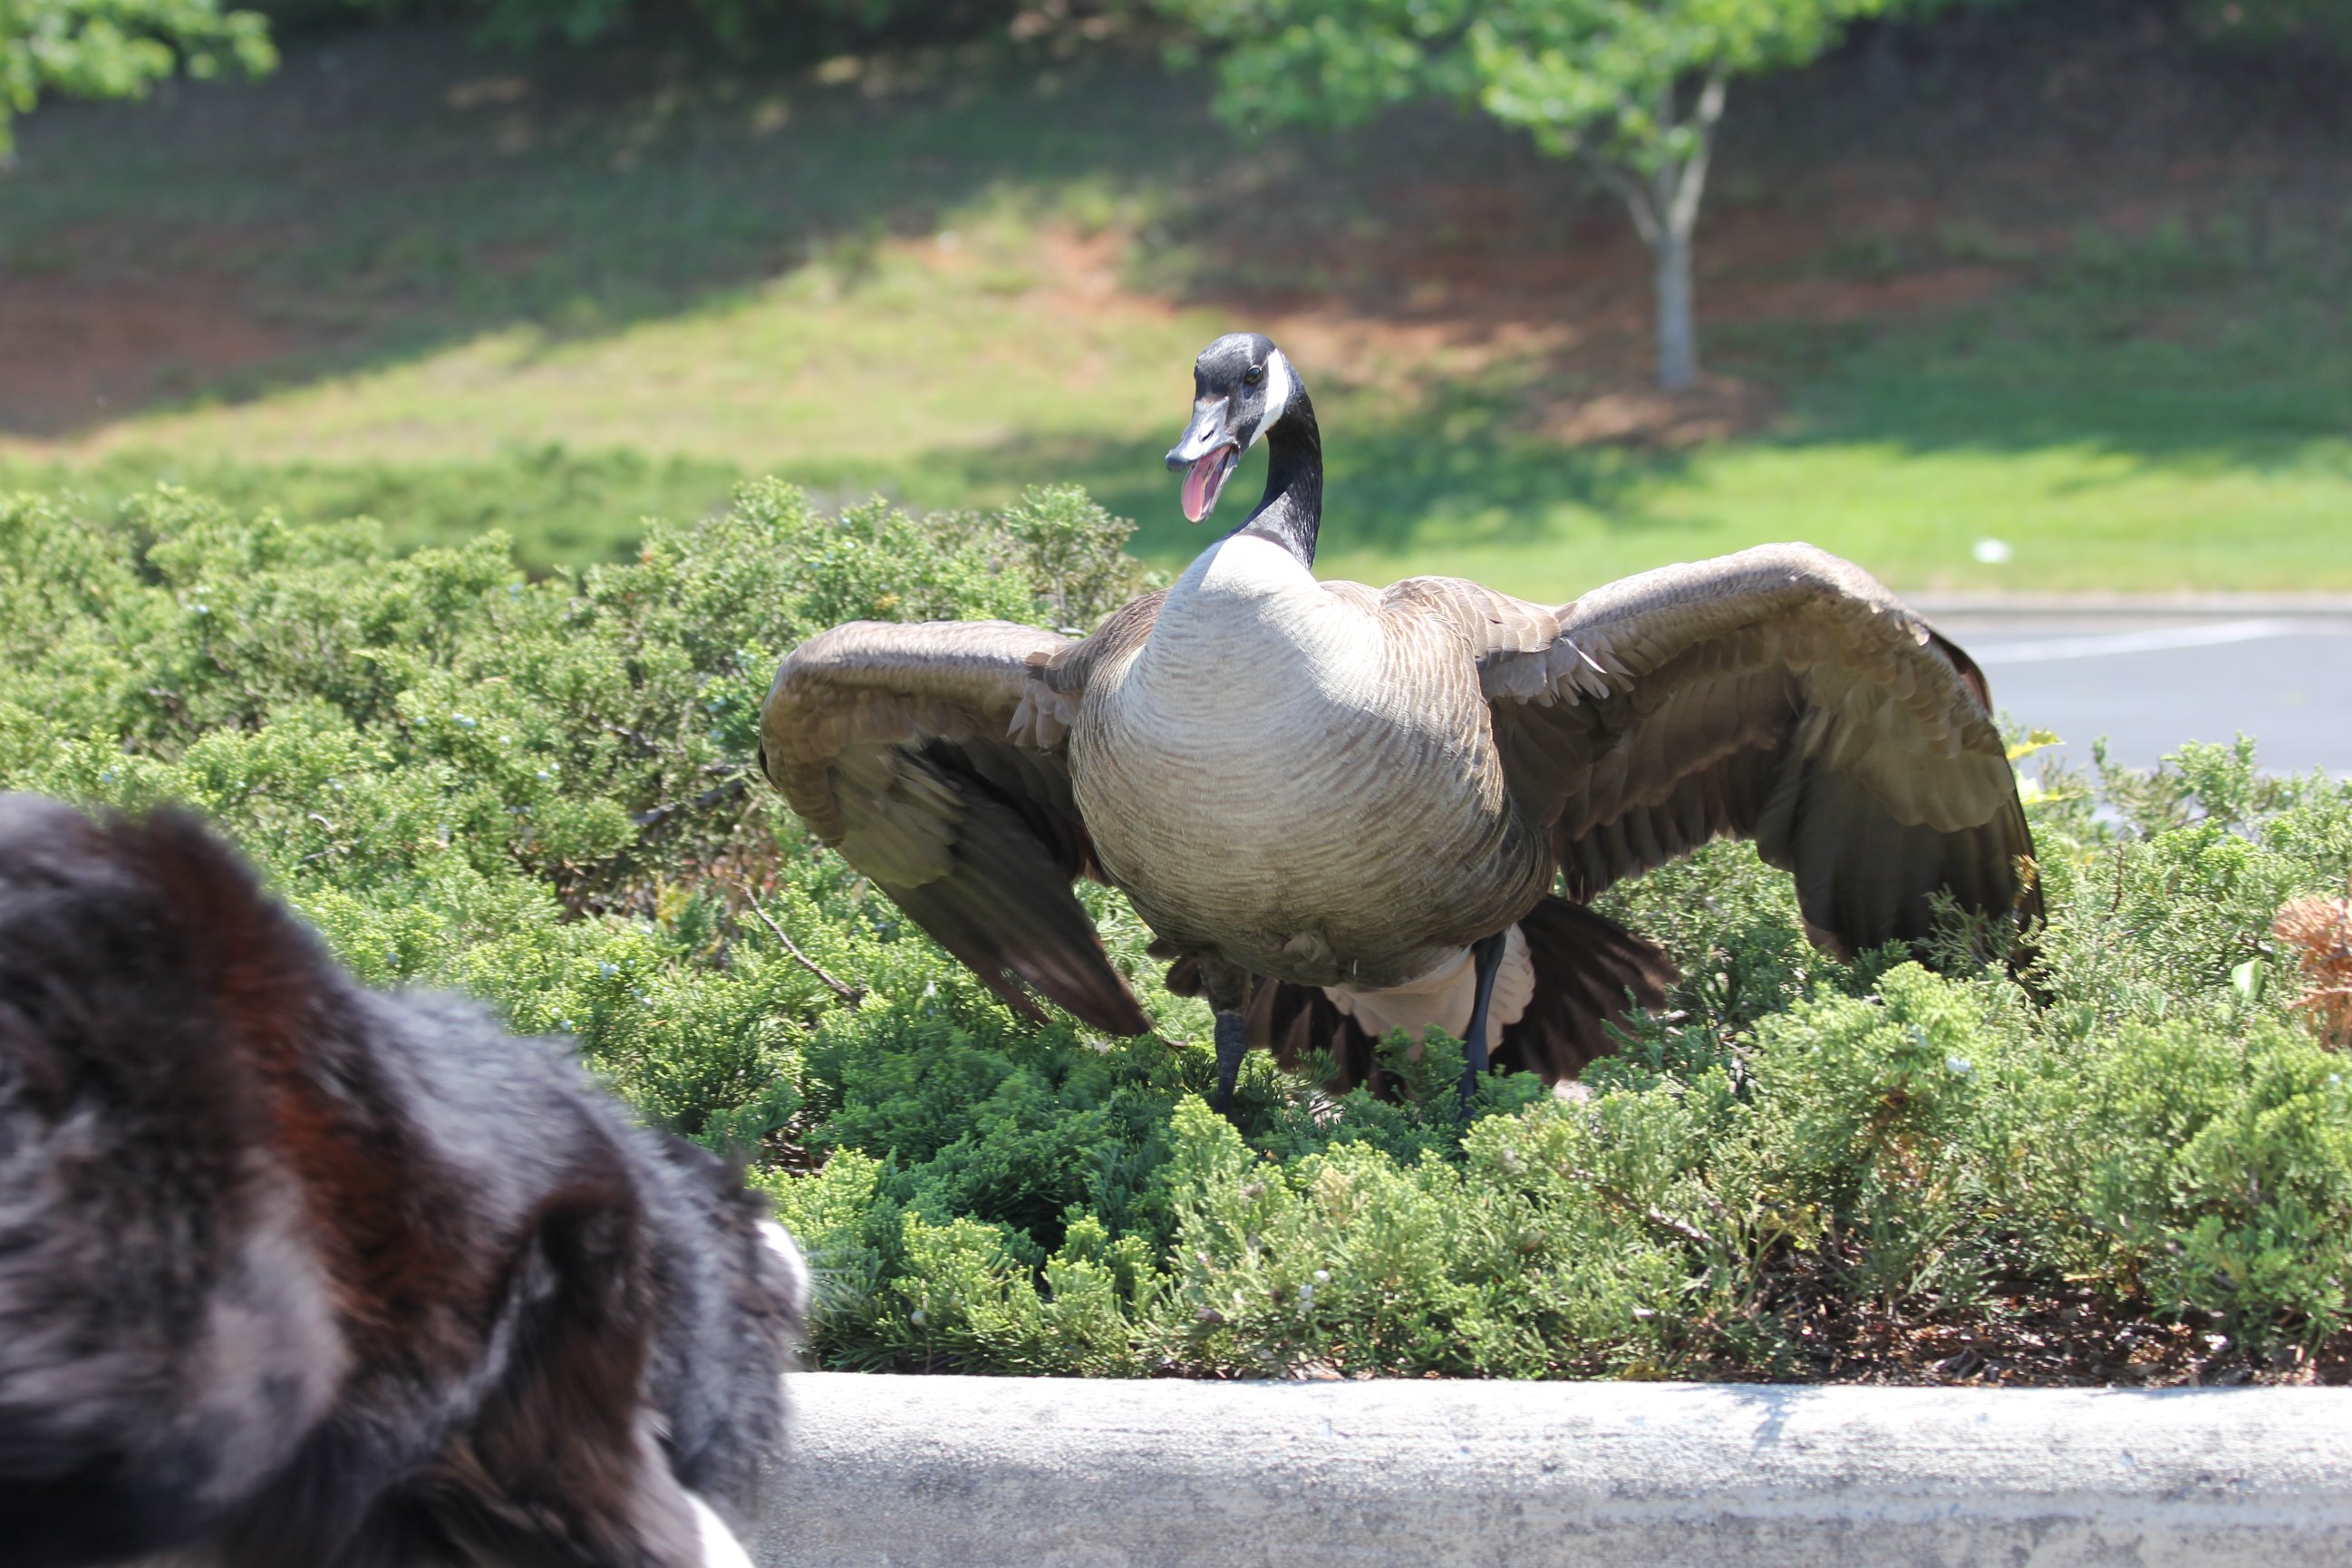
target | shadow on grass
[
  {"x": 394, "y": 192},
  {"x": 1388, "y": 490},
  {"x": 1391, "y": 489},
  {"x": 391, "y": 191}
]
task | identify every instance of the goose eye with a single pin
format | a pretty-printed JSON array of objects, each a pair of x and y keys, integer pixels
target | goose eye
[{"x": 1254, "y": 376}]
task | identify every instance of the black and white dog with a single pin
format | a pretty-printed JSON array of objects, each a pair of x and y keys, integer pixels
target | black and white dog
[{"x": 297, "y": 1275}]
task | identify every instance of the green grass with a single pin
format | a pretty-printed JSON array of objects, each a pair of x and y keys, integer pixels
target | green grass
[{"x": 558, "y": 293}]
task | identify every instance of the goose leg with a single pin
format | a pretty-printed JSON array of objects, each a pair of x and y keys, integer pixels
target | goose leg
[
  {"x": 1233, "y": 1044},
  {"x": 1226, "y": 987},
  {"x": 1486, "y": 953}
]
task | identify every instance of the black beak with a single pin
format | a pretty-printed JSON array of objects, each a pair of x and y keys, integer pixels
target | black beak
[{"x": 1203, "y": 435}]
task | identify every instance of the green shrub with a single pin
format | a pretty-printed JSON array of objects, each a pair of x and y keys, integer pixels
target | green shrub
[
  {"x": 558, "y": 506},
  {"x": 2136, "y": 1164},
  {"x": 539, "y": 791}
]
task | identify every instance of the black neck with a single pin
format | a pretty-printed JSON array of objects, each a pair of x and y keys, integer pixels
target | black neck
[{"x": 1292, "y": 509}]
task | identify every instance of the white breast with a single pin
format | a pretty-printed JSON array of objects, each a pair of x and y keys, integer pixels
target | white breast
[
  {"x": 1444, "y": 998},
  {"x": 1258, "y": 778}
]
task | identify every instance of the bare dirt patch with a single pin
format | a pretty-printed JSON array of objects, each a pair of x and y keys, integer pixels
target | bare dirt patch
[
  {"x": 2037, "y": 1339},
  {"x": 1717, "y": 409},
  {"x": 1572, "y": 322},
  {"x": 72, "y": 348}
]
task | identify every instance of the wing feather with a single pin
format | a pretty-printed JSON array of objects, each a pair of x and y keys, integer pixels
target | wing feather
[
  {"x": 914, "y": 750},
  {"x": 1779, "y": 694}
]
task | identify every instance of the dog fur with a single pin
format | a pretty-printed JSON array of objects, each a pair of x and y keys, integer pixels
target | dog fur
[{"x": 294, "y": 1274}]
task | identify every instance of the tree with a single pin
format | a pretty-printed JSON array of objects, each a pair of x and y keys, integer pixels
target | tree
[
  {"x": 116, "y": 48},
  {"x": 1633, "y": 88}
]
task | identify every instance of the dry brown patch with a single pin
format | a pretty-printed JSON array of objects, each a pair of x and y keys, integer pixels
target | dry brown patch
[
  {"x": 72, "y": 349},
  {"x": 1580, "y": 309},
  {"x": 1347, "y": 343},
  {"x": 1404, "y": 357},
  {"x": 2319, "y": 932},
  {"x": 1717, "y": 409},
  {"x": 1086, "y": 268},
  {"x": 514, "y": 258}
]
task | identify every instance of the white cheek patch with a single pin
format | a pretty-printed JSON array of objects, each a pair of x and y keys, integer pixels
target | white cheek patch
[
  {"x": 1279, "y": 385},
  {"x": 719, "y": 1547}
]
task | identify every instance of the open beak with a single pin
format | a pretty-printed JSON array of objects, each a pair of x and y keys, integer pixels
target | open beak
[{"x": 1207, "y": 455}]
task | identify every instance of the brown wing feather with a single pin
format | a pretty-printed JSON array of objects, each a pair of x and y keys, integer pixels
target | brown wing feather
[
  {"x": 896, "y": 744},
  {"x": 1051, "y": 703},
  {"x": 1587, "y": 969},
  {"x": 1780, "y": 695}
]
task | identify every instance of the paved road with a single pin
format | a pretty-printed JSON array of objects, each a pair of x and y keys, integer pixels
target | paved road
[{"x": 2148, "y": 681}]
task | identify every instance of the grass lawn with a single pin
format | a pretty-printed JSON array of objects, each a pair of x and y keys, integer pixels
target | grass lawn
[{"x": 559, "y": 292}]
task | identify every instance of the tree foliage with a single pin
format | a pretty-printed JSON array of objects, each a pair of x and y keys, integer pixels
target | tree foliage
[
  {"x": 803, "y": 27},
  {"x": 1635, "y": 89},
  {"x": 116, "y": 48},
  {"x": 1583, "y": 77},
  {"x": 538, "y": 790}
]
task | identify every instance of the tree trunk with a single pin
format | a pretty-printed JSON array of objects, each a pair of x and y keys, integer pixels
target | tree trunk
[
  {"x": 1664, "y": 202},
  {"x": 1677, "y": 327}
]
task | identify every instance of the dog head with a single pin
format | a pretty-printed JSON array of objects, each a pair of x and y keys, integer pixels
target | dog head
[{"x": 162, "y": 1311}]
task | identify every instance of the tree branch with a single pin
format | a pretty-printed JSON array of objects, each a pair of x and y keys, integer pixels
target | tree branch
[
  {"x": 850, "y": 994},
  {"x": 1653, "y": 1215},
  {"x": 1665, "y": 180},
  {"x": 1637, "y": 199},
  {"x": 1683, "y": 214},
  {"x": 652, "y": 818}
]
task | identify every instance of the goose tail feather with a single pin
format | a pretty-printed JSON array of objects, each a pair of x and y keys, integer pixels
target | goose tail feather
[{"x": 1587, "y": 966}]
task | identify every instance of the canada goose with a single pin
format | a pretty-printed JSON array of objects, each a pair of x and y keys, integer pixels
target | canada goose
[{"x": 1342, "y": 809}]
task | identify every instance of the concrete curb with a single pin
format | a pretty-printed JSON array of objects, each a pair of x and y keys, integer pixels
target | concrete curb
[{"x": 929, "y": 1472}]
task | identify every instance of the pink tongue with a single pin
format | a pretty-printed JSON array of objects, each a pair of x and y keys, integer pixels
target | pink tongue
[{"x": 1203, "y": 480}]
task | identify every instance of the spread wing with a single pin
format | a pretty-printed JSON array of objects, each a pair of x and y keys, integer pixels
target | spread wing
[
  {"x": 898, "y": 744},
  {"x": 1780, "y": 695}
]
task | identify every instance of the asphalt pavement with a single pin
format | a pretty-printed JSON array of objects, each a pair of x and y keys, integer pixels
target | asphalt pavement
[{"x": 2147, "y": 677}]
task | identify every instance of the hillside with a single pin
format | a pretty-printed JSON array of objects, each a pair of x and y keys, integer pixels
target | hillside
[{"x": 2075, "y": 291}]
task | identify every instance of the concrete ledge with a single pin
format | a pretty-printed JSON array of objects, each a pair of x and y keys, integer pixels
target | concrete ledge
[{"x": 951, "y": 1472}]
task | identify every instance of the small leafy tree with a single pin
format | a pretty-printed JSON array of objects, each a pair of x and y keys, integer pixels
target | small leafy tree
[
  {"x": 116, "y": 48},
  {"x": 1633, "y": 88}
]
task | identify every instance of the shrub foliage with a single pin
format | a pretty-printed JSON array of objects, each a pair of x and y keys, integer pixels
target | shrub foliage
[{"x": 2135, "y": 1165}]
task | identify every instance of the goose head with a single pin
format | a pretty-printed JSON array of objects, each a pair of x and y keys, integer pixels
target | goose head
[{"x": 1241, "y": 386}]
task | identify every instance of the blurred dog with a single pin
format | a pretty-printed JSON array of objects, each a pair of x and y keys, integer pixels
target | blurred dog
[{"x": 296, "y": 1273}]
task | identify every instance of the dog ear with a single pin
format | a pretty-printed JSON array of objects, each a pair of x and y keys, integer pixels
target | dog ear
[
  {"x": 564, "y": 1462},
  {"x": 262, "y": 970}
]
